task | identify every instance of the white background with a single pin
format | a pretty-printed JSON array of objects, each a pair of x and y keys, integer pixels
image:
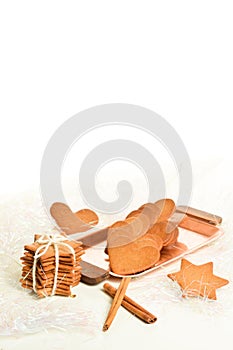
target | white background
[{"x": 60, "y": 57}]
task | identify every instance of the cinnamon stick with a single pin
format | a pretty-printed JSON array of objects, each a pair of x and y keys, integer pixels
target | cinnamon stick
[
  {"x": 120, "y": 293},
  {"x": 131, "y": 305}
]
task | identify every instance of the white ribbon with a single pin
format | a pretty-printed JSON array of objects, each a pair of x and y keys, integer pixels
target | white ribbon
[{"x": 45, "y": 242}]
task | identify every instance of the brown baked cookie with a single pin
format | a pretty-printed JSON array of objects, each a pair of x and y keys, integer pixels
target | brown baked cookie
[
  {"x": 159, "y": 229},
  {"x": 198, "y": 280},
  {"x": 50, "y": 276},
  {"x": 119, "y": 234},
  {"x": 41, "y": 293},
  {"x": 66, "y": 219},
  {"x": 133, "y": 213},
  {"x": 166, "y": 208},
  {"x": 134, "y": 257},
  {"x": 151, "y": 210},
  {"x": 145, "y": 211},
  {"x": 158, "y": 240},
  {"x": 140, "y": 224},
  {"x": 63, "y": 251},
  {"x": 88, "y": 216},
  {"x": 172, "y": 239}
]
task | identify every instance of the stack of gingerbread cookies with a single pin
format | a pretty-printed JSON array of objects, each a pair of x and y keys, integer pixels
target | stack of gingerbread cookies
[
  {"x": 135, "y": 244},
  {"x": 51, "y": 266}
]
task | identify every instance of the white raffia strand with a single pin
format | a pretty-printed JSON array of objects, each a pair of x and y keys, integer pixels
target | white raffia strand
[{"x": 45, "y": 242}]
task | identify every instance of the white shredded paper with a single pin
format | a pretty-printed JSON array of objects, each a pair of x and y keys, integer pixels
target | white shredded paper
[
  {"x": 21, "y": 312},
  {"x": 156, "y": 291}
]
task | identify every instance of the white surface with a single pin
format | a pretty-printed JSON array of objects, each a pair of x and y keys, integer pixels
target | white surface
[
  {"x": 181, "y": 323},
  {"x": 174, "y": 57}
]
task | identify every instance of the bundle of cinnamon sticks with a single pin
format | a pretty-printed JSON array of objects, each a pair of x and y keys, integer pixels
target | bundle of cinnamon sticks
[{"x": 121, "y": 299}]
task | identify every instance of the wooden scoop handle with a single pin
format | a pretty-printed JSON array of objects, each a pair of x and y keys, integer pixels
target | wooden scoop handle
[{"x": 200, "y": 215}]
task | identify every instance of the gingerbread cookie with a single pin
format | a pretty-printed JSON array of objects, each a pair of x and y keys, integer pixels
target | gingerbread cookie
[
  {"x": 70, "y": 222},
  {"x": 56, "y": 270},
  {"x": 198, "y": 280}
]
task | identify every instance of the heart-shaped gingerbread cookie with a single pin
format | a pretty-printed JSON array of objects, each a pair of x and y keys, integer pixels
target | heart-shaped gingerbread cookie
[
  {"x": 166, "y": 208},
  {"x": 129, "y": 254},
  {"x": 134, "y": 257},
  {"x": 71, "y": 222}
]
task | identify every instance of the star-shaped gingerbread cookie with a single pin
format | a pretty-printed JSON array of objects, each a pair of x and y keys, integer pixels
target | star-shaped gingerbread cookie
[{"x": 198, "y": 280}]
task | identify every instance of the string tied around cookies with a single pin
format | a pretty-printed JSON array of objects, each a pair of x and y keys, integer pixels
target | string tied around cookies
[{"x": 45, "y": 242}]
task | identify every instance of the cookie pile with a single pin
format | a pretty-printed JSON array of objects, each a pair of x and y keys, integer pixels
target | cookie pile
[
  {"x": 135, "y": 244},
  {"x": 65, "y": 266}
]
